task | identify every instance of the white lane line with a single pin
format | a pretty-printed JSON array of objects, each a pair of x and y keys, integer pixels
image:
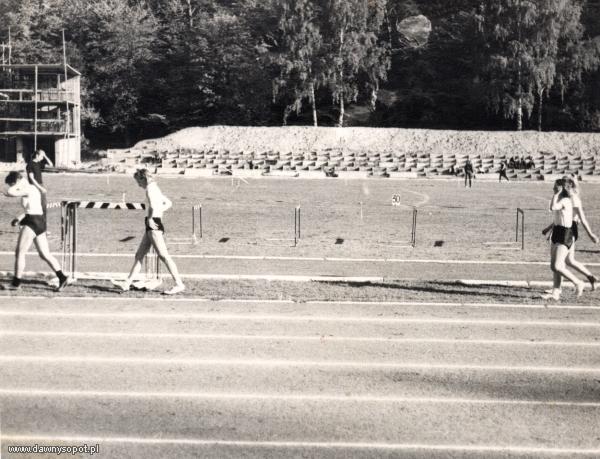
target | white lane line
[
  {"x": 321, "y": 339},
  {"x": 290, "y": 397},
  {"x": 526, "y": 449},
  {"x": 336, "y": 259},
  {"x": 88, "y": 359},
  {"x": 456, "y": 305},
  {"x": 120, "y": 298},
  {"x": 299, "y": 318},
  {"x": 91, "y": 275}
]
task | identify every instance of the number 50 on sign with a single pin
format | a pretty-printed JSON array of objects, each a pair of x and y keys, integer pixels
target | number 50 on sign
[{"x": 396, "y": 200}]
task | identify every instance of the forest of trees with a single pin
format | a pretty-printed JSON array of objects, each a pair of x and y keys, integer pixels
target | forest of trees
[{"x": 154, "y": 66}]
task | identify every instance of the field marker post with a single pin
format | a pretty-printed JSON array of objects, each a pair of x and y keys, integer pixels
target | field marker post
[
  {"x": 413, "y": 236},
  {"x": 196, "y": 208},
  {"x": 296, "y": 225},
  {"x": 521, "y": 217},
  {"x": 74, "y": 245}
]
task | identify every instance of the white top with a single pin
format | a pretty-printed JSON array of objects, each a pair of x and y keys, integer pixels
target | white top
[
  {"x": 31, "y": 198},
  {"x": 156, "y": 202},
  {"x": 562, "y": 213},
  {"x": 576, "y": 205}
]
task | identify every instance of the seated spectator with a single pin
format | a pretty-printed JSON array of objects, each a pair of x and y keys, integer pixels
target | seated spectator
[
  {"x": 330, "y": 171},
  {"x": 529, "y": 164},
  {"x": 511, "y": 163}
]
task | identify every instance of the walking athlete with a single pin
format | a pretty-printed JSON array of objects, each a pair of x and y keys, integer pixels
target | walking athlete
[
  {"x": 562, "y": 238},
  {"x": 33, "y": 228},
  {"x": 156, "y": 204},
  {"x": 578, "y": 217}
]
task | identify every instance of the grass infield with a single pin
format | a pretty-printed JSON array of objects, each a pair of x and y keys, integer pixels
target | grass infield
[{"x": 339, "y": 218}]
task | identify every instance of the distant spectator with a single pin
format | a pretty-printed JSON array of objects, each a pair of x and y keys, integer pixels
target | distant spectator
[
  {"x": 468, "y": 173},
  {"x": 529, "y": 164},
  {"x": 502, "y": 172},
  {"x": 330, "y": 172},
  {"x": 511, "y": 163}
]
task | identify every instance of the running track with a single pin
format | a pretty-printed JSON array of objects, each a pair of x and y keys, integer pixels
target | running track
[{"x": 187, "y": 378}]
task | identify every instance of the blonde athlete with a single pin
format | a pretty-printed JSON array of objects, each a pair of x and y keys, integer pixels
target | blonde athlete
[
  {"x": 562, "y": 237},
  {"x": 578, "y": 217},
  {"x": 156, "y": 204},
  {"x": 33, "y": 228}
]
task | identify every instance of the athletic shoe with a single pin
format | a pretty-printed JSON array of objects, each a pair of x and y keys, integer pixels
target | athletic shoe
[
  {"x": 62, "y": 283},
  {"x": 122, "y": 285},
  {"x": 174, "y": 290},
  {"x": 552, "y": 296},
  {"x": 550, "y": 291},
  {"x": 592, "y": 280}
]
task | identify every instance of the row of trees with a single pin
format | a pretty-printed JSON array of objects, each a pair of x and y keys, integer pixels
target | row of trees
[{"x": 153, "y": 66}]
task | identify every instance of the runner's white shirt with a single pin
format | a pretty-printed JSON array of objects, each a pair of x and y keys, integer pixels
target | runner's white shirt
[
  {"x": 156, "y": 201},
  {"x": 563, "y": 213},
  {"x": 576, "y": 205},
  {"x": 32, "y": 201}
]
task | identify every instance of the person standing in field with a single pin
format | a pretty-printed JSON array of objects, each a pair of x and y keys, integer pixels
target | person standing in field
[
  {"x": 156, "y": 204},
  {"x": 562, "y": 238},
  {"x": 502, "y": 172},
  {"x": 34, "y": 172},
  {"x": 468, "y": 169},
  {"x": 33, "y": 228}
]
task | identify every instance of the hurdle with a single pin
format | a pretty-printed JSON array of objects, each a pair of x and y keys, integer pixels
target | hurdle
[
  {"x": 69, "y": 234},
  {"x": 297, "y": 233},
  {"x": 412, "y": 242},
  {"x": 196, "y": 228},
  {"x": 519, "y": 230}
]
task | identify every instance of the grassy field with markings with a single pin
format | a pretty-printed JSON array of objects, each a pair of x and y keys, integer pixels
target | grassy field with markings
[{"x": 339, "y": 218}]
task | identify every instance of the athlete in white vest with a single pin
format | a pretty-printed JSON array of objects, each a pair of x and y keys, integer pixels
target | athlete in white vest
[{"x": 33, "y": 227}]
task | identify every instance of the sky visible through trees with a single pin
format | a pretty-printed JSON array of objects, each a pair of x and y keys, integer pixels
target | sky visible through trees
[{"x": 151, "y": 67}]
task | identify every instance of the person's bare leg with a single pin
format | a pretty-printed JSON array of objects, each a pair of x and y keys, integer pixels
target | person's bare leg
[
  {"x": 580, "y": 267},
  {"x": 559, "y": 265},
  {"x": 140, "y": 254},
  {"x": 41, "y": 244},
  {"x": 26, "y": 237},
  {"x": 162, "y": 252},
  {"x": 158, "y": 241}
]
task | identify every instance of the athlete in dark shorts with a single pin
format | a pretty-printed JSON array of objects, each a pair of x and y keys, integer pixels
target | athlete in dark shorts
[
  {"x": 579, "y": 219},
  {"x": 562, "y": 238},
  {"x": 156, "y": 204},
  {"x": 33, "y": 228}
]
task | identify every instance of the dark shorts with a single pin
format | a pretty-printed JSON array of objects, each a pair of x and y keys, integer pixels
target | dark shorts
[
  {"x": 158, "y": 222},
  {"x": 562, "y": 235},
  {"x": 36, "y": 222}
]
